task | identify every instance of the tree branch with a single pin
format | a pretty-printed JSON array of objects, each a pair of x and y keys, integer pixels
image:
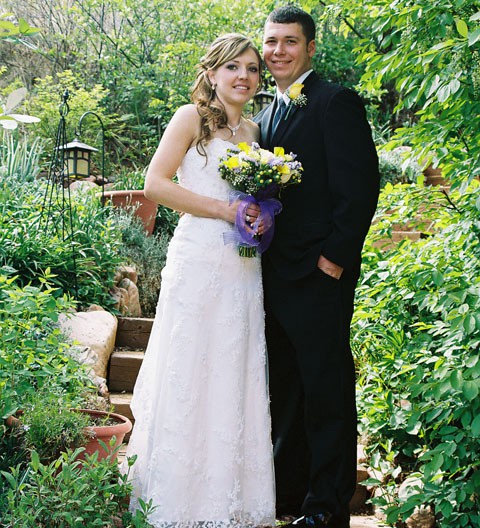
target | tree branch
[{"x": 349, "y": 24}]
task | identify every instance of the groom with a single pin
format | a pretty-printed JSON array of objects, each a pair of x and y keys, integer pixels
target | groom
[{"x": 310, "y": 273}]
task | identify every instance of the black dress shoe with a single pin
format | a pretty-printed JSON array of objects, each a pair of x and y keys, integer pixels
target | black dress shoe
[{"x": 312, "y": 521}]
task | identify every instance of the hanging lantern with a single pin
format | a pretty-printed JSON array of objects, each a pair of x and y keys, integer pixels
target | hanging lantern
[
  {"x": 261, "y": 100},
  {"x": 77, "y": 158}
]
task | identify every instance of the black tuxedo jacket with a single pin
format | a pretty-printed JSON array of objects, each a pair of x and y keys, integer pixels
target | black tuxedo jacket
[{"x": 330, "y": 211}]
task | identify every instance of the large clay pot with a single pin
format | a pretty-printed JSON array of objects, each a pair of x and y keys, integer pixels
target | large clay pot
[
  {"x": 105, "y": 433},
  {"x": 145, "y": 209},
  {"x": 96, "y": 433}
]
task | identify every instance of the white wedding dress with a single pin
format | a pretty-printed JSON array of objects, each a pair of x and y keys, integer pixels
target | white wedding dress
[{"x": 202, "y": 423}]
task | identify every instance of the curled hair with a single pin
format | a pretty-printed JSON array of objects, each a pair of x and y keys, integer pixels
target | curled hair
[{"x": 211, "y": 110}]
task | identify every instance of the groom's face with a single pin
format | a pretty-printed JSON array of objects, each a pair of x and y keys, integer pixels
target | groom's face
[{"x": 286, "y": 52}]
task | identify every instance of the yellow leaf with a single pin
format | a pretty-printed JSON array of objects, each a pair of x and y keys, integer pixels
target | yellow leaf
[{"x": 462, "y": 27}]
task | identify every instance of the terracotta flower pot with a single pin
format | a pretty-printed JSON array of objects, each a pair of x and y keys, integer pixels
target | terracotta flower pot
[
  {"x": 13, "y": 421},
  {"x": 105, "y": 433},
  {"x": 95, "y": 433},
  {"x": 145, "y": 209}
]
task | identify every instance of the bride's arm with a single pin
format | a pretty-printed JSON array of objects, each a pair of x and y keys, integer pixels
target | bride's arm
[{"x": 179, "y": 136}]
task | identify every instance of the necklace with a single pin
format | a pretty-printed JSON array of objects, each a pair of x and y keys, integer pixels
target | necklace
[{"x": 234, "y": 129}]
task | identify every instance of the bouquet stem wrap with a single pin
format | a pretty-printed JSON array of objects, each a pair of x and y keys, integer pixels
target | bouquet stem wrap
[{"x": 247, "y": 239}]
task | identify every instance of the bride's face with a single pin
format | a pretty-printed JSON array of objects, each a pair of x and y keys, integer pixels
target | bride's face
[{"x": 237, "y": 80}]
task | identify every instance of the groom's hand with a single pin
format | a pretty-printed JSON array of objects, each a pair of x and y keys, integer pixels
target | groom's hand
[{"x": 329, "y": 267}]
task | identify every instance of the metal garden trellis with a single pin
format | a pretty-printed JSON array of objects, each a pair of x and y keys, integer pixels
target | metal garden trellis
[{"x": 57, "y": 205}]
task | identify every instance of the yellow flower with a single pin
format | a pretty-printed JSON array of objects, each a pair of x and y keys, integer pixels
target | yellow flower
[
  {"x": 243, "y": 146},
  {"x": 279, "y": 152},
  {"x": 295, "y": 90},
  {"x": 285, "y": 175},
  {"x": 232, "y": 163}
]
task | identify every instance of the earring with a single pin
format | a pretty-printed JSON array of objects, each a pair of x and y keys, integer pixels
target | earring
[{"x": 214, "y": 85}]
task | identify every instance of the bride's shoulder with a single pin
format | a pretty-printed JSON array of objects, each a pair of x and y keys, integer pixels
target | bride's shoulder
[
  {"x": 188, "y": 112},
  {"x": 185, "y": 122},
  {"x": 253, "y": 129}
]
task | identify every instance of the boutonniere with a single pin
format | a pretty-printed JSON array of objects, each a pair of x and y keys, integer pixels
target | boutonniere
[{"x": 296, "y": 97}]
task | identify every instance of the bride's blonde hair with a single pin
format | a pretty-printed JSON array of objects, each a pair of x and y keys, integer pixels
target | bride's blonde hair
[{"x": 210, "y": 108}]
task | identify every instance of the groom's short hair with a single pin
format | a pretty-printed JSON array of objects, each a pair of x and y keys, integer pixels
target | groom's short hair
[{"x": 290, "y": 14}]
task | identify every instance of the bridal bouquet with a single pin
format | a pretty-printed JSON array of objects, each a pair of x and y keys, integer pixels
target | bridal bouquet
[{"x": 257, "y": 176}]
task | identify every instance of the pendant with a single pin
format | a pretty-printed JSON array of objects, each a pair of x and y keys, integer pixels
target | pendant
[{"x": 234, "y": 129}]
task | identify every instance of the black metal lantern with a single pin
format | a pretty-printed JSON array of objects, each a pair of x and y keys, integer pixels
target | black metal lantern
[
  {"x": 77, "y": 158},
  {"x": 261, "y": 100}
]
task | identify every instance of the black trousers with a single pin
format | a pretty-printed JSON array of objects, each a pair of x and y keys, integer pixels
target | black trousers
[{"x": 312, "y": 391}]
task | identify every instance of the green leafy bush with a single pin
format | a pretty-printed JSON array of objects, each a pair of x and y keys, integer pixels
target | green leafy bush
[
  {"x": 335, "y": 59},
  {"x": 416, "y": 336},
  {"x": 33, "y": 360},
  {"x": 35, "y": 236},
  {"x": 147, "y": 254},
  {"x": 424, "y": 57},
  {"x": 45, "y": 99},
  {"x": 32, "y": 349},
  {"x": 67, "y": 492},
  {"x": 398, "y": 166}
]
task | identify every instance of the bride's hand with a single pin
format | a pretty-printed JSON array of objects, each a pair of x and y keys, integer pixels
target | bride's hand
[{"x": 251, "y": 215}]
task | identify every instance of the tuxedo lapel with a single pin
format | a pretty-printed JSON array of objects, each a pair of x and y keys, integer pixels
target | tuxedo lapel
[
  {"x": 266, "y": 123},
  {"x": 286, "y": 122}
]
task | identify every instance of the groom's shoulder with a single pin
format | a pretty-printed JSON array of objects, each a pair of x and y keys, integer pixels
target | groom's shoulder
[
  {"x": 325, "y": 93},
  {"x": 326, "y": 89}
]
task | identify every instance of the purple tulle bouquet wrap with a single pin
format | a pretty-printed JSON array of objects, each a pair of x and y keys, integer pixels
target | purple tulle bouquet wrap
[{"x": 257, "y": 176}]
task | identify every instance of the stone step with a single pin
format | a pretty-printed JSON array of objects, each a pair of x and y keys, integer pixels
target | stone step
[
  {"x": 364, "y": 521},
  {"x": 133, "y": 332},
  {"x": 123, "y": 369},
  {"x": 121, "y": 403}
]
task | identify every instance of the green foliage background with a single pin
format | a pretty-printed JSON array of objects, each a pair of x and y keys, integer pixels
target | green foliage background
[
  {"x": 417, "y": 340},
  {"x": 417, "y": 66}
]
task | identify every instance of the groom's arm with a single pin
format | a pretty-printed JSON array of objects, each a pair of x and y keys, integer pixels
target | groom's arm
[
  {"x": 353, "y": 180},
  {"x": 329, "y": 267}
]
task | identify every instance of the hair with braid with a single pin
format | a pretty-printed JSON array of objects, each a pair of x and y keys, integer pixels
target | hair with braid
[{"x": 211, "y": 110}]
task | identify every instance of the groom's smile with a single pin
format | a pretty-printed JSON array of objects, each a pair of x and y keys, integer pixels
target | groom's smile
[{"x": 286, "y": 52}]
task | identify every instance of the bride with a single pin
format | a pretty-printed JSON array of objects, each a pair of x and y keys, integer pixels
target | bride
[{"x": 202, "y": 423}]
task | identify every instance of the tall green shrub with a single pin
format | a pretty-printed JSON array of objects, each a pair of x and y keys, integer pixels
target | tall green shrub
[
  {"x": 429, "y": 52},
  {"x": 32, "y": 348},
  {"x": 46, "y": 97},
  {"x": 32, "y": 240},
  {"x": 416, "y": 335}
]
